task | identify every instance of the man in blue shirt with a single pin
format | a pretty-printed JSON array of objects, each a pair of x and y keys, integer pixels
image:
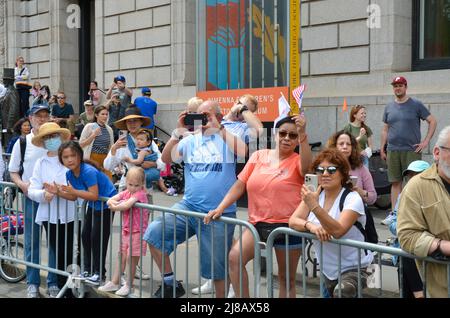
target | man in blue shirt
[{"x": 147, "y": 106}]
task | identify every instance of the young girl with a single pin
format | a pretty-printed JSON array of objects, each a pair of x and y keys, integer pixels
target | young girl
[
  {"x": 134, "y": 223},
  {"x": 143, "y": 152},
  {"x": 85, "y": 181}
]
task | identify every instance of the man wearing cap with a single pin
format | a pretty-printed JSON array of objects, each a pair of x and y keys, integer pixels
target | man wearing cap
[
  {"x": 39, "y": 115},
  {"x": 401, "y": 133},
  {"x": 147, "y": 106},
  {"x": 424, "y": 216},
  {"x": 118, "y": 87}
]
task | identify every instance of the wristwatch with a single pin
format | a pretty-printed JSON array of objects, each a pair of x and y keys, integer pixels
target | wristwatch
[{"x": 243, "y": 109}]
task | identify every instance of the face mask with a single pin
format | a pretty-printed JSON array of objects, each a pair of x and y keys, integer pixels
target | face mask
[{"x": 52, "y": 144}]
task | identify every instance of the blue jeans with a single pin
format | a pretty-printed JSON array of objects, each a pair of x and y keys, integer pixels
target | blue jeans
[
  {"x": 154, "y": 236},
  {"x": 32, "y": 247}
]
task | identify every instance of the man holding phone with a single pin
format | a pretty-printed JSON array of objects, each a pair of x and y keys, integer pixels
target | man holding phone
[{"x": 209, "y": 157}]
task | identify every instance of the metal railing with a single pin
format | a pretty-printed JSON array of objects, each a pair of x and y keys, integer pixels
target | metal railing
[{"x": 360, "y": 246}]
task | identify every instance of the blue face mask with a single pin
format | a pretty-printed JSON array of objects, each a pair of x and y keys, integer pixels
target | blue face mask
[{"x": 53, "y": 144}]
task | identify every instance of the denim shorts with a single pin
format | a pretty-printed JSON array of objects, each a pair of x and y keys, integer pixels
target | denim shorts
[
  {"x": 154, "y": 236},
  {"x": 264, "y": 229}
]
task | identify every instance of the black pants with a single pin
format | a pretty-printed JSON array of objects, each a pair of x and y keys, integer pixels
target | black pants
[
  {"x": 411, "y": 278},
  {"x": 64, "y": 254},
  {"x": 24, "y": 101},
  {"x": 94, "y": 243}
]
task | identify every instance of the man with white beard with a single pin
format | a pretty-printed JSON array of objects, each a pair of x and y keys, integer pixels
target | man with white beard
[{"x": 424, "y": 216}]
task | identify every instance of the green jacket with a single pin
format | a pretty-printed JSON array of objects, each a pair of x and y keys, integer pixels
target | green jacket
[{"x": 423, "y": 215}]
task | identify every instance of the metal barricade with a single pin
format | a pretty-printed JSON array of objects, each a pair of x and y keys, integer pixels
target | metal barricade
[{"x": 361, "y": 246}]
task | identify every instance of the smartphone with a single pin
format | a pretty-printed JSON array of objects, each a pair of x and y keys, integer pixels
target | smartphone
[
  {"x": 354, "y": 180},
  {"x": 192, "y": 120},
  {"x": 312, "y": 182},
  {"x": 123, "y": 134}
]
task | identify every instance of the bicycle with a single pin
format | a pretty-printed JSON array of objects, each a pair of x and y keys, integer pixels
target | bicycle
[{"x": 11, "y": 227}]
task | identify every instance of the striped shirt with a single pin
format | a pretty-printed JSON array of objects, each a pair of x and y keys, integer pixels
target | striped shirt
[{"x": 101, "y": 143}]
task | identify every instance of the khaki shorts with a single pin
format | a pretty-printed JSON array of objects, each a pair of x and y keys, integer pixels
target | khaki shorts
[{"x": 398, "y": 161}]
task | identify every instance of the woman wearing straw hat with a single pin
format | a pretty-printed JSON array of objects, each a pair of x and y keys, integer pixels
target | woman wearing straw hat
[
  {"x": 97, "y": 138},
  {"x": 125, "y": 146},
  {"x": 55, "y": 214}
]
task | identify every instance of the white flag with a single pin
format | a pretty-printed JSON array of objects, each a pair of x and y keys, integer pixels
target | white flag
[{"x": 283, "y": 111}]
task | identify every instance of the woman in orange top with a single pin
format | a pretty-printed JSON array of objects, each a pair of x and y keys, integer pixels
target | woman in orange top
[{"x": 273, "y": 180}]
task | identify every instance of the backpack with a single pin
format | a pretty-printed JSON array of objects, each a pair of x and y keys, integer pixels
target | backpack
[
  {"x": 23, "y": 147},
  {"x": 369, "y": 232}
]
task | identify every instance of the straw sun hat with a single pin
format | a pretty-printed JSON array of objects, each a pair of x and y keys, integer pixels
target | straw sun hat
[
  {"x": 122, "y": 124},
  {"x": 50, "y": 129}
]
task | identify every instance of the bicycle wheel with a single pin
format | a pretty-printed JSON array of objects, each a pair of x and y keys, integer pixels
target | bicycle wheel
[{"x": 11, "y": 271}]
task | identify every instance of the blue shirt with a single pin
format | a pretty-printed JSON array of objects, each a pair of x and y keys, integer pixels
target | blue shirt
[
  {"x": 90, "y": 176},
  {"x": 62, "y": 112},
  {"x": 209, "y": 171},
  {"x": 148, "y": 108}
]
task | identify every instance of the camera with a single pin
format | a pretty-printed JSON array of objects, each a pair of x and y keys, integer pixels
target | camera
[{"x": 192, "y": 120}]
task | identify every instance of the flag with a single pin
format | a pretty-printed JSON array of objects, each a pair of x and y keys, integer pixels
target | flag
[
  {"x": 298, "y": 95},
  {"x": 344, "y": 106},
  {"x": 283, "y": 110}
]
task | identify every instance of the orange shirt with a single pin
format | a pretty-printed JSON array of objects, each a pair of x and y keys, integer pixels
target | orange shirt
[{"x": 273, "y": 191}]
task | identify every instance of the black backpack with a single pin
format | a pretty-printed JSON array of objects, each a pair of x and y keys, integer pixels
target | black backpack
[
  {"x": 369, "y": 232},
  {"x": 23, "y": 147}
]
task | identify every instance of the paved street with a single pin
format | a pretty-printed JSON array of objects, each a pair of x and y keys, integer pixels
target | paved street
[{"x": 189, "y": 252}]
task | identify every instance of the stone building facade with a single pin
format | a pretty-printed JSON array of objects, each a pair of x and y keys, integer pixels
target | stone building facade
[{"x": 153, "y": 43}]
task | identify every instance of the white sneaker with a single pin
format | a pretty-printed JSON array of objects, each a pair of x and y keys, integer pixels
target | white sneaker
[
  {"x": 33, "y": 291},
  {"x": 138, "y": 273},
  {"x": 231, "y": 292},
  {"x": 109, "y": 287},
  {"x": 206, "y": 288},
  {"x": 388, "y": 220},
  {"x": 123, "y": 291},
  {"x": 53, "y": 291}
]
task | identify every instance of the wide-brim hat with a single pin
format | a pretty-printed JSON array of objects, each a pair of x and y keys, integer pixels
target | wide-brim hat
[
  {"x": 122, "y": 123},
  {"x": 50, "y": 129}
]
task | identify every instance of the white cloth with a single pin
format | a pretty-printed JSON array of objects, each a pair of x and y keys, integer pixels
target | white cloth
[
  {"x": 283, "y": 111},
  {"x": 112, "y": 162},
  {"x": 32, "y": 154},
  {"x": 49, "y": 170},
  {"x": 3, "y": 90},
  {"x": 86, "y": 133},
  {"x": 368, "y": 152},
  {"x": 349, "y": 255}
]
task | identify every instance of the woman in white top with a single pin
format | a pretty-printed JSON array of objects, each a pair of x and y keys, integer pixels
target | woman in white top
[
  {"x": 54, "y": 213},
  {"x": 126, "y": 144},
  {"x": 319, "y": 213},
  {"x": 21, "y": 78}
]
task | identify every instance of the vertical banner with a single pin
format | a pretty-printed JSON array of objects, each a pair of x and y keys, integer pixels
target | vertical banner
[{"x": 294, "y": 43}]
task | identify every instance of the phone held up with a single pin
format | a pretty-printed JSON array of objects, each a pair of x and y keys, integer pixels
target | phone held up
[
  {"x": 123, "y": 134},
  {"x": 312, "y": 182},
  {"x": 192, "y": 120}
]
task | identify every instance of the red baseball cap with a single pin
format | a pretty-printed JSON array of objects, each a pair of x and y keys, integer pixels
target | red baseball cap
[{"x": 399, "y": 80}]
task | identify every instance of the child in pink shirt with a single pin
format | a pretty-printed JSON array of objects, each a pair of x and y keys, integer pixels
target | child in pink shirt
[{"x": 134, "y": 223}]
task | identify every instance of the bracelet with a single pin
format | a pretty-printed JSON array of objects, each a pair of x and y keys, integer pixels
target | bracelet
[
  {"x": 304, "y": 225},
  {"x": 175, "y": 136},
  {"x": 312, "y": 210},
  {"x": 438, "y": 247},
  {"x": 303, "y": 139}
]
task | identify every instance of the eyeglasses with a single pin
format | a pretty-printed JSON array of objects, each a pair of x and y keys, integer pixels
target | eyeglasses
[
  {"x": 445, "y": 148},
  {"x": 61, "y": 97},
  {"x": 283, "y": 134},
  {"x": 330, "y": 170}
]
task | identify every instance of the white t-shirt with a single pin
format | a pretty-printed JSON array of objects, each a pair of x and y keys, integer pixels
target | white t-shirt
[
  {"x": 349, "y": 255},
  {"x": 32, "y": 154}
]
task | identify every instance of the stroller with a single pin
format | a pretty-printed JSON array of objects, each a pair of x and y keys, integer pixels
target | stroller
[
  {"x": 173, "y": 176},
  {"x": 11, "y": 226},
  {"x": 378, "y": 170}
]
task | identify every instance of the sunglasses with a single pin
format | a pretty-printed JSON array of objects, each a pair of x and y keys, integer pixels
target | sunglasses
[
  {"x": 283, "y": 134},
  {"x": 60, "y": 97},
  {"x": 330, "y": 170}
]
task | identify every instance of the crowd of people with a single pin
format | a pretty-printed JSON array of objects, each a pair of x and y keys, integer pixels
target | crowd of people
[{"x": 116, "y": 138}]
